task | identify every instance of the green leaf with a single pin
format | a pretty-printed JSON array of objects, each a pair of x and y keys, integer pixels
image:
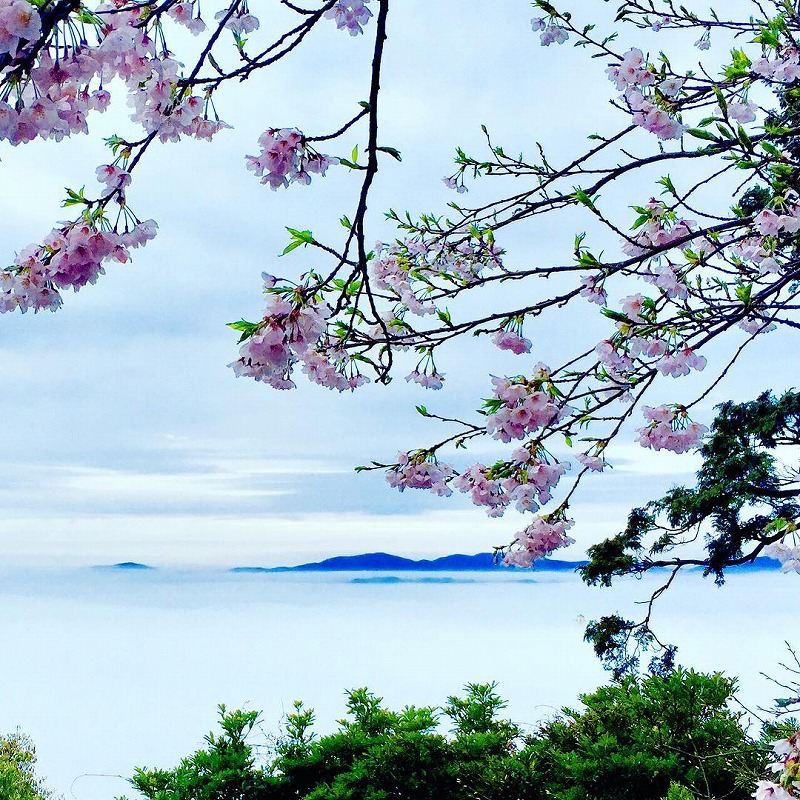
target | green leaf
[
  {"x": 739, "y": 66},
  {"x": 392, "y": 151},
  {"x": 744, "y": 291},
  {"x": 304, "y": 236},
  {"x": 720, "y": 99},
  {"x": 667, "y": 183},
  {"x": 246, "y": 328},
  {"x": 291, "y": 246},
  {"x": 354, "y": 155},
  {"x": 698, "y": 133},
  {"x": 724, "y": 130},
  {"x": 84, "y": 15},
  {"x": 74, "y": 198},
  {"x": 617, "y": 316},
  {"x": 741, "y": 133},
  {"x": 584, "y": 198}
]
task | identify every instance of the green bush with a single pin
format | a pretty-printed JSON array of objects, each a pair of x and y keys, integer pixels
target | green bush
[
  {"x": 671, "y": 736},
  {"x": 635, "y": 738},
  {"x": 678, "y": 792},
  {"x": 18, "y": 780}
]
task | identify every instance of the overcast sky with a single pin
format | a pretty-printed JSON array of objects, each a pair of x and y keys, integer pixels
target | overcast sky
[{"x": 126, "y": 436}]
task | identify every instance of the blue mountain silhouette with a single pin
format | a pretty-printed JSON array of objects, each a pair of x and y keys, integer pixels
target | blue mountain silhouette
[{"x": 378, "y": 562}]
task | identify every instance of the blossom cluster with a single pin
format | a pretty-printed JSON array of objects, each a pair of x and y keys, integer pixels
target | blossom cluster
[
  {"x": 332, "y": 368},
  {"x": 54, "y": 100},
  {"x": 639, "y": 336},
  {"x": 785, "y": 68},
  {"x": 788, "y": 765},
  {"x": 539, "y": 539},
  {"x": 418, "y": 471},
  {"x": 659, "y": 229},
  {"x": 617, "y": 356},
  {"x": 638, "y": 83},
  {"x": 592, "y": 289},
  {"x": 525, "y": 482},
  {"x": 188, "y": 15},
  {"x": 550, "y": 31},
  {"x": 427, "y": 378},
  {"x": 789, "y": 557},
  {"x": 241, "y": 21},
  {"x": 19, "y": 22},
  {"x": 289, "y": 331},
  {"x": 395, "y": 267},
  {"x": 350, "y": 15},
  {"x": 510, "y": 337},
  {"x": 158, "y": 107},
  {"x": 520, "y": 409},
  {"x": 114, "y": 178},
  {"x": 664, "y": 276},
  {"x": 669, "y": 428},
  {"x": 763, "y": 248},
  {"x": 286, "y": 157},
  {"x": 69, "y": 257}
]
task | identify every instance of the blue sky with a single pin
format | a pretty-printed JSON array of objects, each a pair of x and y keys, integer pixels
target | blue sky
[{"x": 127, "y": 438}]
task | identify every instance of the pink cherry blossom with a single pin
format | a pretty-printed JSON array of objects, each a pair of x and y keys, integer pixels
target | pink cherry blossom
[
  {"x": 594, "y": 463},
  {"x": 782, "y": 69},
  {"x": 652, "y": 118},
  {"x": 704, "y": 42},
  {"x": 241, "y": 22},
  {"x": 420, "y": 472},
  {"x": 537, "y": 540},
  {"x": 184, "y": 14},
  {"x": 767, "y": 223},
  {"x": 483, "y": 491},
  {"x": 291, "y": 330},
  {"x": 452, "y": 183},
  {"x": 789, "y": 557},
  {"x": 755, "y": 326},
  {"x": 667, "y": 279},
  {"x": 19, "y": 22},
  {"x": 632, "y": 306},
  {"x": 509, "y": 340},
  {"x": 593, "y": 290},
  {"x": 350, "y": 15},
  {"x": 396, "y": 265},
  {"x": 430, "y": 380},
  {"x": 286, "y": 158},
  {"x": 525, "y": 409},
  {"x": 669, "y": 428},
  {"x": 670, "y": 87},
  {"x": 69, "y": 257},
  {"x": 767, "y": 790},
  {"x": 680, "y": 362},
  {"x": 553, "y": 33},
  {"x": 742, "y": 112}
]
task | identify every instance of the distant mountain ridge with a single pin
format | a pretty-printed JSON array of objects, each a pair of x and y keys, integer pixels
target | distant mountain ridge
[
  {"x": 386, "y": 562},
  {"x": 456, "y": 562}
]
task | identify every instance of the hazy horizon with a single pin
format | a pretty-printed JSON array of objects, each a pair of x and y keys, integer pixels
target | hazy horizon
[{"x": 107, "y": 670}]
